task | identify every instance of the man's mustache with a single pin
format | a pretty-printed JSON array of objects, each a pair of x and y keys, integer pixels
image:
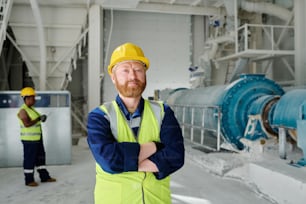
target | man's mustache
[{"x": 135, "y": 81}]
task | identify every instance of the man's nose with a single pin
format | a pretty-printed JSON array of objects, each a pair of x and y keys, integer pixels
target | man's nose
[{"x": 132, "y": 74}]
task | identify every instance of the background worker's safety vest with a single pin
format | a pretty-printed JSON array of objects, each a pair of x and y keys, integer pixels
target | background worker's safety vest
[
  {"x": 133, "y": 187},
  {"x": 32, "y": 133}
]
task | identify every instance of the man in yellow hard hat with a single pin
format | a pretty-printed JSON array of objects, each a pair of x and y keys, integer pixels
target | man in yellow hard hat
[
  {"x": 31, "y": 137},
  {"x": 136, "y": 143}
]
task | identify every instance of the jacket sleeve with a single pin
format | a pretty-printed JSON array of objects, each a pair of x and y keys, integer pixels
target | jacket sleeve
[
  {"x": 171, "y": 157},
  {"x": 113, "y": 157}
]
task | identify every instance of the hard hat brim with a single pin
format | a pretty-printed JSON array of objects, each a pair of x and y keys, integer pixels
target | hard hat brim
[{"x": 122, "y": 59}]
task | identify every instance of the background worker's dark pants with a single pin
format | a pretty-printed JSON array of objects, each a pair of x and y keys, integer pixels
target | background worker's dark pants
[{"x": 34, "y": 155}]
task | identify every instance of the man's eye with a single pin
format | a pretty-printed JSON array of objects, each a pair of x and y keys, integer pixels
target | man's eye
[{"x": 125, "y": 70}]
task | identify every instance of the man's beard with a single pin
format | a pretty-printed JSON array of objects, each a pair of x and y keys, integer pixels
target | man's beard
[{"x": 127, "y": 91}]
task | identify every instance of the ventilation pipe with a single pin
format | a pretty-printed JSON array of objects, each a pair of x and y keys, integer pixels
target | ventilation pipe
[
  {"x": 262, "y": 7},
  {"x": 42, "y": 45}
]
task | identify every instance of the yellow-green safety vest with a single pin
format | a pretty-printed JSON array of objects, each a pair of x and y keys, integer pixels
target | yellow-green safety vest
[
  {"x": 32, "y": 133},
  {"x": 133, "y": 187}
]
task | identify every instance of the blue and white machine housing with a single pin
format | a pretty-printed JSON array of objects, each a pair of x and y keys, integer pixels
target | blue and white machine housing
[{"x": 252, "y": 107}]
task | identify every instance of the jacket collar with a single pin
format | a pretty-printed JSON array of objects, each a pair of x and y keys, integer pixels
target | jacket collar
[{"x": 124, "y": 110}]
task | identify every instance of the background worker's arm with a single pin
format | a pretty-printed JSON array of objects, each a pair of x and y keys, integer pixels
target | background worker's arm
[{"x": 27, "y": 122}]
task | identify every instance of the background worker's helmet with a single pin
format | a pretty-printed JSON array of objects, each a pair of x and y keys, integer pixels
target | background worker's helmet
[
  {"x": 125, "y": 52},
  {"x": 27, "y": 91}
]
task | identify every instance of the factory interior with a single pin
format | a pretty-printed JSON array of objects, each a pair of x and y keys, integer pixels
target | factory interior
[{"x": 233, "y": 72}]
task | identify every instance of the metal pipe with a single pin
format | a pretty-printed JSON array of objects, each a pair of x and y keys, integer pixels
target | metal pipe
[
  {"x": 251, "y": 107},
  {"x": 269, "y": 8},
  {"x": 42, "y": 45},
  {"x": 251, "y": 94}
]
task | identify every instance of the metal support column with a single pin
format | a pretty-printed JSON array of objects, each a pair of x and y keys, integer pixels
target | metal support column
[
  {"x": 95, "y": 57},
  {"x": 300, "y": 42},
  {"x": 282, "y": 143}
]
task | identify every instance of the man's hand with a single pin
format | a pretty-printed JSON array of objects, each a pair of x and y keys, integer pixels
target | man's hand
[
  {"x": 147, "y": 166},
  {"x": 146, "y": 150},
  {"x": 43, "y": 118}
]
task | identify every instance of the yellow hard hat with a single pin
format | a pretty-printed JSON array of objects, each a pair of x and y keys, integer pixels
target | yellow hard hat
[
  {"x": 27, "y": 91},
  {"x": 125, "y": 52}
]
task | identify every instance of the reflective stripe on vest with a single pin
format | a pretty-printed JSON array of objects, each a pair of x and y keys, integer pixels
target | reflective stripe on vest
[
  {"x": 32, "y": 133},
  {"x": 133, "y": 187}
]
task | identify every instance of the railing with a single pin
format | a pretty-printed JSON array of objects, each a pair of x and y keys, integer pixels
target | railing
[
  {"x": 202, "y": 118},
  {"x": 259, "y": 37},
  {"x": 5, "y": 10}
]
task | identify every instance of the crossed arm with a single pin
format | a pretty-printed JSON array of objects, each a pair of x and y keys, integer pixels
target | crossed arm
[
  {"x": 115, "y": 157},
  {"x": 27, "y": 122},
  {"x": 144, "y": 164}
]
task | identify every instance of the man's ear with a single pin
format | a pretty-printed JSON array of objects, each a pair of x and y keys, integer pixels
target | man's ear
[{"x": 112, "y": 76}]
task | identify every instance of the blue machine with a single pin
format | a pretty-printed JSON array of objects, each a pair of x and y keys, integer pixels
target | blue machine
[
  {"x": 290, "y": 113},
  {"x": 252, "y": 107}
]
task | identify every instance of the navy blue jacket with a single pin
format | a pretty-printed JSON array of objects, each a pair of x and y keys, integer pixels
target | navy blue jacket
[{"x": 115, "y": 157}]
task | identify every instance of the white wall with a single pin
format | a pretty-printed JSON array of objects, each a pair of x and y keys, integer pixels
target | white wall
[{"x": 165, "y": 40}]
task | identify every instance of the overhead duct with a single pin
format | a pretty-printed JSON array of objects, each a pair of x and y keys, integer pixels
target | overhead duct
[
  {"x": 258, "y": 7},
  {"x": 271, "y": 9}
]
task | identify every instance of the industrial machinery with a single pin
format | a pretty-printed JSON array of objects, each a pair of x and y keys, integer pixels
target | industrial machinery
[{"x": 252, "y": 107}]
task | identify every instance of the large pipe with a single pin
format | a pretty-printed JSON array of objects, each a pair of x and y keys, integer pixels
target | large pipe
[
  {"x": 249, "y": 95},
  {"x": 268, "y": 8},
  {"x": 42, "y": 45}
]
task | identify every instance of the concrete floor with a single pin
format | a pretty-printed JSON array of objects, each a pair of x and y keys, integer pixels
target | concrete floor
[{"x": 194, "y": 183}]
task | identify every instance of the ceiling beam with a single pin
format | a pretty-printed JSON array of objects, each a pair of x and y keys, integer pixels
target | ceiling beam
[
  {"x": 135, "y": 5},
  {"x": 175, "y": 9}
]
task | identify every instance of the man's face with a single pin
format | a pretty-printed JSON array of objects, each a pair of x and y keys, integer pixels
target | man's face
[
  {"x": 30, "y": 100},
  {"x": 129, "y": 78}
]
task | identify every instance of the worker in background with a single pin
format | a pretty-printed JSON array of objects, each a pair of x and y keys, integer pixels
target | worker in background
[
  {"x": 31, "y": 138},
  {"x": 136, "y": 143}
]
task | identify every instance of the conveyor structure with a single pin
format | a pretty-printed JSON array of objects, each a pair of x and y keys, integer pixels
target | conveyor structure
[{"x": 252, "y": 107}]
